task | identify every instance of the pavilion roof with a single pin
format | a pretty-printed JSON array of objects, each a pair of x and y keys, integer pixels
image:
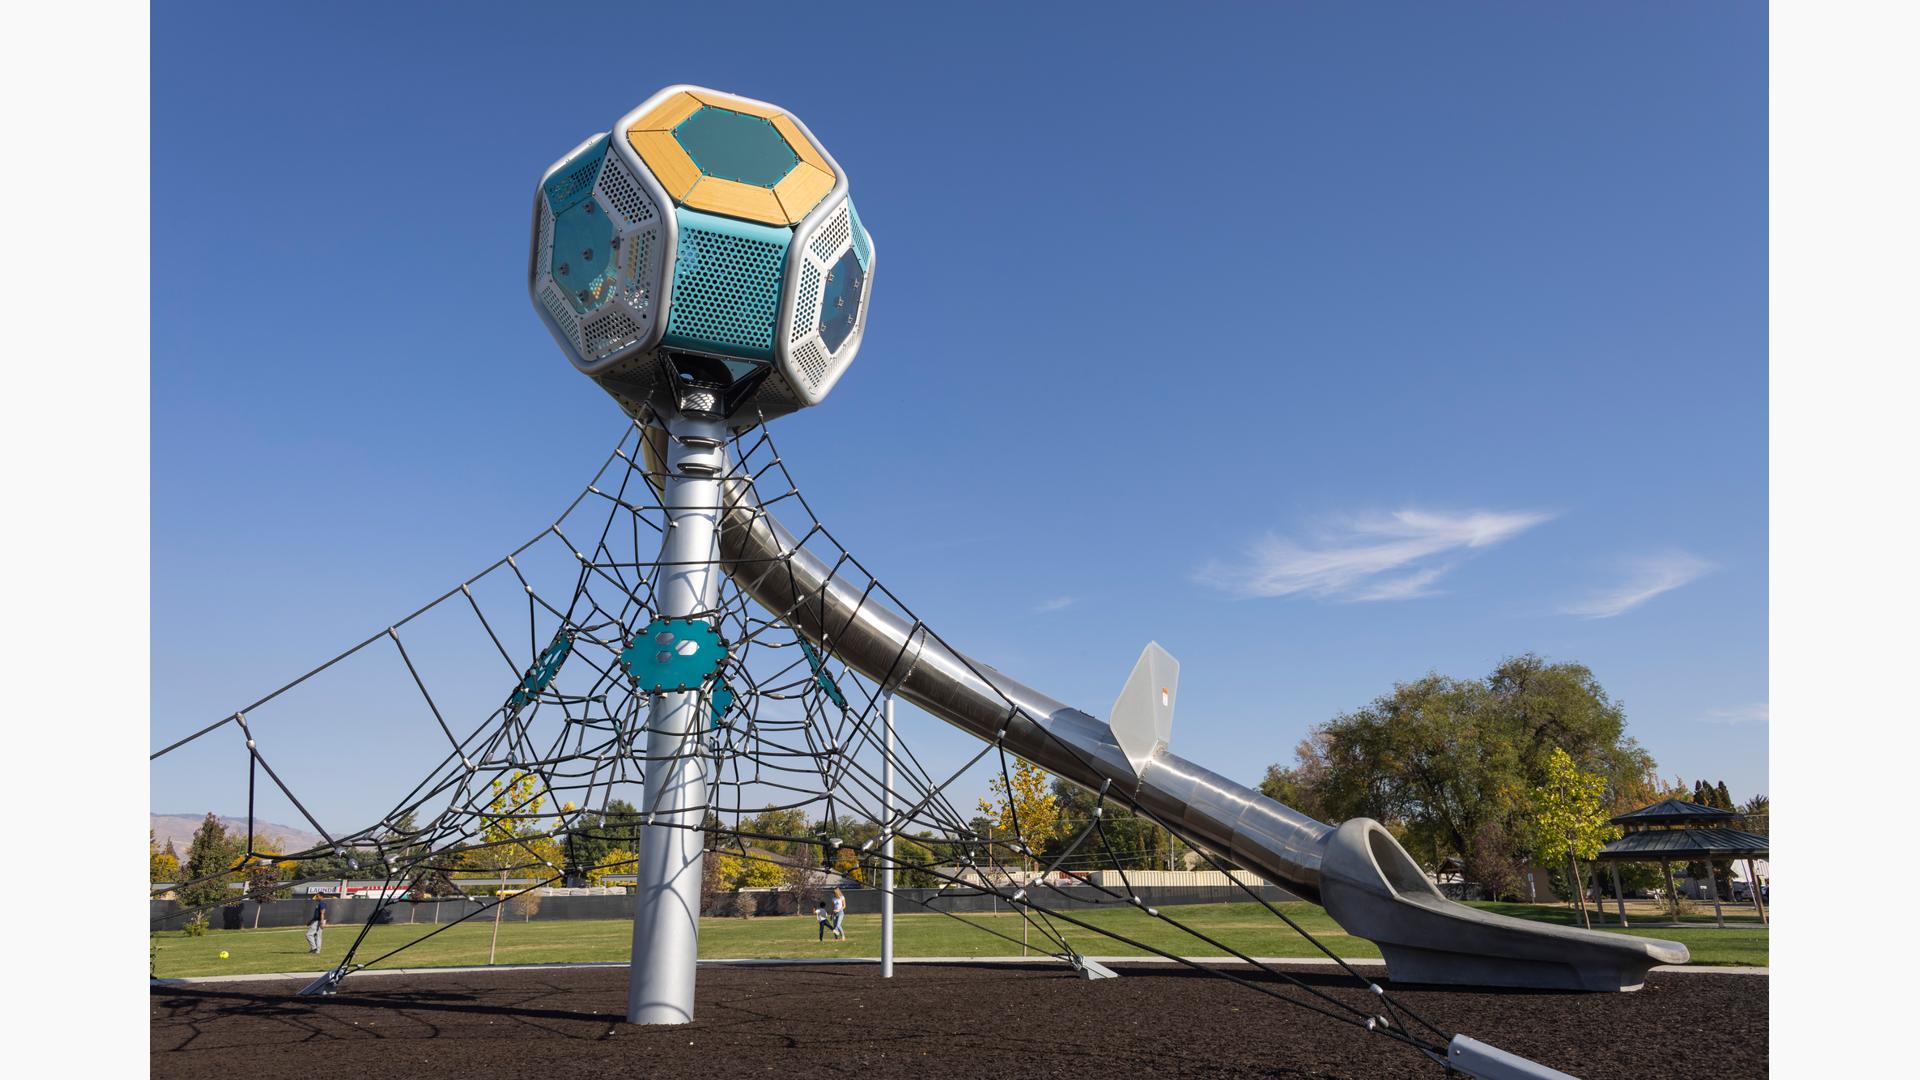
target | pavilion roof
[
  {"x": 1686, "y": 844},
  {"x": 1676, "y": 812}
]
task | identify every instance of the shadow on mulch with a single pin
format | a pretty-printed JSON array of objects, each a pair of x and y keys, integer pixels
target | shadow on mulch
[{"x": 995, "y": 1021}]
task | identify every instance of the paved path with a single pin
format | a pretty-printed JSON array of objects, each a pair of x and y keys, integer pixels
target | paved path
[{"x": 1210, "y": 961}]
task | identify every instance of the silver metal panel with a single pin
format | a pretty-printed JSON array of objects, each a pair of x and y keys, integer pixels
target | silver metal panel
[
  {"x": 1483, "y": 1062},
  {"x": 1142, "y": 717}
]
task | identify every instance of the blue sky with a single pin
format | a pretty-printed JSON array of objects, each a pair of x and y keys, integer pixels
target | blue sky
[{"x": 1326, "y": 346}]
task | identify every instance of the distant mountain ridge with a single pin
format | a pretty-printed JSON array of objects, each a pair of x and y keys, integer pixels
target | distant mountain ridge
[{"x": 180, "y": 828}]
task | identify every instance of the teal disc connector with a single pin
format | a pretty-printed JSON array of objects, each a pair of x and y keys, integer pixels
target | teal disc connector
[
  {"x": 543, "y": 670},
  {"x": 673, "y": 655}
]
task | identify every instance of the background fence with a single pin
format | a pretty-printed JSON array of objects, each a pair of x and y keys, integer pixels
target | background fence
[{"x": 245, "y": 914}]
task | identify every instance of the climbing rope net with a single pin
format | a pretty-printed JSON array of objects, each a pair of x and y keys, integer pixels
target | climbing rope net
[{"x": 546, "y": 769}]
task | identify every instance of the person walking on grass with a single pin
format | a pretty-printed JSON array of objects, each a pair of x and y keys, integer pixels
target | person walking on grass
[
  {"x": 839, "y": 914},
  {"x": 820, "y": 915},
  {"x": 316, "y": 925}
]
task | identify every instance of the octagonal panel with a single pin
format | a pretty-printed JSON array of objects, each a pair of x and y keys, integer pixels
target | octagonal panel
[{"x": 732, "y": 156}]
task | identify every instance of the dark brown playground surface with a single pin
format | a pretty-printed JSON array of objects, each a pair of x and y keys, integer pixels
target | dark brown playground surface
[{"x": 998, "y": 1021}]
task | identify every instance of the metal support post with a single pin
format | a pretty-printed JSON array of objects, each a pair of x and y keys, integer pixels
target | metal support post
[
  {"x": 1753, "y": 877},
  {"x": 666, "y": 904},
  {"x": 1619, "y": 897},
  {"x": 1713, "y": 886},
  {"x": 886, "y": 845}
]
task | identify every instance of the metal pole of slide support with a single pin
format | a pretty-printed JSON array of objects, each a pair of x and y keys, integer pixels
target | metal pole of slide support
[
  {"x": 666, "y": 902},
  {"x": 886, "y": 846}
]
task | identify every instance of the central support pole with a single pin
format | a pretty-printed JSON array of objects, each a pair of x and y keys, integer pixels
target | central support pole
[
  {"x": 666, "y": 902},
  {"x": 886, "y": 845}
]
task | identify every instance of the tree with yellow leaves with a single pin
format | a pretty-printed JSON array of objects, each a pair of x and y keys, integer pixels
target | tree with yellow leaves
[
  {"x": 615, "y": 861},
  {"x": 161, "y": 865},
  {"x": 1568, "y": 819},
  {"x": 513, "y": 839},
  {"x": 1028, "y": 813}
]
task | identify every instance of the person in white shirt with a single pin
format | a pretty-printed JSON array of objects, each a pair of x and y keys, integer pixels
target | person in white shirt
[{"x": 839, "y": 913}]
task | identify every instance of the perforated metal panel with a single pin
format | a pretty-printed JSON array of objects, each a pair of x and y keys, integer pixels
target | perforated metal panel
[
  {"x": 572, "y": 182},
  {"x": 831, "y": 236},
  {"x": 639, "y": 261},
  {"x": 830, "y": 286},
  {"x": 609, "y": 332},
  {"x": 862, "y": 244},
  {"x": 726, "y": 285},
  {"x": 557, "y": 307},
  {"x": 600, "y": 248},
  {"x": 806, "y": 305},
  {"x": 543, "y": 241},
  {"x": 624, "y": 195},
  {"x": 811, "y": 359}
]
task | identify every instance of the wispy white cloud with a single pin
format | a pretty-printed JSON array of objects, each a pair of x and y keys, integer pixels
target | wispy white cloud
[
  {"x": 1396, "y": 556},
  {"x": 1052, "y": 605},
  {"x": 1744, "y": 714},
  {"x": 1646, "y": 577}
]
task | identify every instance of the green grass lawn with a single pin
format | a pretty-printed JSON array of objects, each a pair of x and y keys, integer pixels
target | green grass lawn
[{"x": 1246, "y": 927}]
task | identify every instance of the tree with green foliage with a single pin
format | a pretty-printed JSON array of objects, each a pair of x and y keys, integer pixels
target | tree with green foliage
[
  {"x": 508, "y": 827},
  {"x": 1132, "y": 842},
  {"x": 593, "y": 837},
  {"x": 215, "y": 856},
  {"x": 1440, "y": 758},
  {"x": 912, "y": 861},
  {"x": 774, "y": 821},
  {"x": 1567, "y": 818}
]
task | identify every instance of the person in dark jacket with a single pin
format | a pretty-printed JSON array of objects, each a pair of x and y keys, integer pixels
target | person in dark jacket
[{"x": 316, "y": 925}]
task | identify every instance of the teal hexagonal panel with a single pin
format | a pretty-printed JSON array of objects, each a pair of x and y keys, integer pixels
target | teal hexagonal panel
[
  {"x": 736, "y": 146},
  {"x": 582, "y": 260},
  {"x": 840, "y": 300}
]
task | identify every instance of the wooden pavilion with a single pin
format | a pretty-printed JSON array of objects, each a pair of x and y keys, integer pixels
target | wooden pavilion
[{"x": 1673, "y": 830}]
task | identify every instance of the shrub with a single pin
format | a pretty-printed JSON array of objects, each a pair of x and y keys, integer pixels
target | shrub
[
  {"x": 746, "y": 905},
  {"x": 525, "y": 904},
  {"x": 195, "y": 926}
]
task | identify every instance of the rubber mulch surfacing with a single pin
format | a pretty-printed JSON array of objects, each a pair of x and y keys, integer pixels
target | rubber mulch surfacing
[{"x": 995, "y": 1021}]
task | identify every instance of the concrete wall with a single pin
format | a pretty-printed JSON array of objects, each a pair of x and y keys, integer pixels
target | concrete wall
[{"x": 167, "y": 915}]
